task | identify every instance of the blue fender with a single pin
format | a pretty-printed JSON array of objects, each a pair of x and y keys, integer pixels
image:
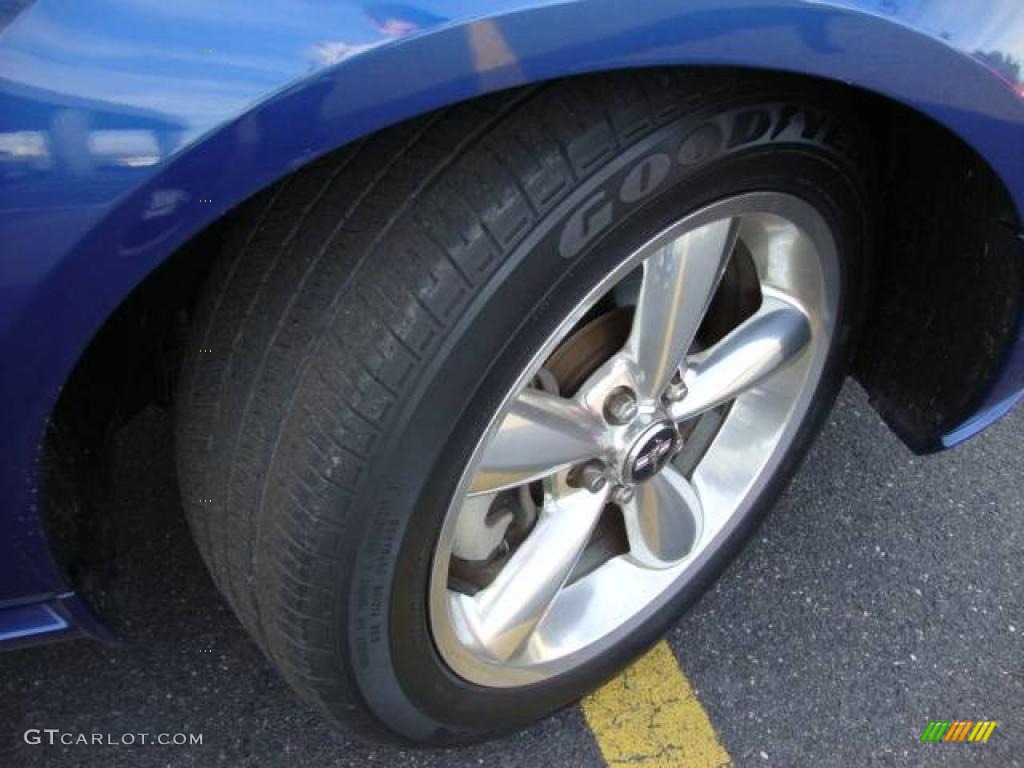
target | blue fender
[{"x": 126, "y": 127}]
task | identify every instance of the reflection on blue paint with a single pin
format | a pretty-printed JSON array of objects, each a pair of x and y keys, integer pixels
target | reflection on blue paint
[
  {"x": 982, "y": 421},
  {"x": 45, "y": 133},
  {"x": 992, "y": 32},
  {"x": 28, "y": 620}
]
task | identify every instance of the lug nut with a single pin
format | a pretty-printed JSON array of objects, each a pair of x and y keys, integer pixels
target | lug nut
[
  {"x": 589, "y": 476},
  {"x": 620, "y": 406},
  {"x": 676, "y": 390},
  {"x": 622, "y": 495}
]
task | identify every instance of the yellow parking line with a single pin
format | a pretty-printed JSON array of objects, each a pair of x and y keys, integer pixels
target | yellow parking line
[{"x": 649, "y": 716}]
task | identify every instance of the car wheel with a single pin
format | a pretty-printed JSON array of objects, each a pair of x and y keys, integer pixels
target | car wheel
[{"x": 475, "y": 408}]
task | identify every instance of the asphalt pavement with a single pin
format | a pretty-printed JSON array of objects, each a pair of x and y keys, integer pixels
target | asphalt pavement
[{"x": 884, "y": 592}]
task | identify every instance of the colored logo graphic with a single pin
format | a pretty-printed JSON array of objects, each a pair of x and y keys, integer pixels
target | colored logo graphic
[{"x": 958, "y": 730}]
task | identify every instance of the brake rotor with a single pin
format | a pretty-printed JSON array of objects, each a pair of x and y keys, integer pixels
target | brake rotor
[
  {"x": 588, "y": 348},
  {"x": 737, "y": 298}
]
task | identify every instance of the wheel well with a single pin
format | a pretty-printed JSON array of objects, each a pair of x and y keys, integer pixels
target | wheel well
[
  {"x": 947, "y": 284},
  {"x": 948, "y": 280}
]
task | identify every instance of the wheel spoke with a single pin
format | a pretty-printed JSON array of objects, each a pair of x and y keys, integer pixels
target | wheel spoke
[
  {"x": 663, "y": 520},
  {"x": 679, "y": 281},
  {"x": 541, "y": 434},
  {"x": 758, "y": 347},
  {"x": 502, "y": 616}
]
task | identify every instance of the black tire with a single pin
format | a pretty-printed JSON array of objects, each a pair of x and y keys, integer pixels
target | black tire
[{"x": 372, "y": 309}]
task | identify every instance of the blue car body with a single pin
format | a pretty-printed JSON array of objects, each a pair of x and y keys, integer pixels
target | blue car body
[{"x": 128, "y": 126}]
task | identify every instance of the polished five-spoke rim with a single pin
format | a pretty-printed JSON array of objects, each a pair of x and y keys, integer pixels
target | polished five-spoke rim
[{"x": 671, "y": 438}]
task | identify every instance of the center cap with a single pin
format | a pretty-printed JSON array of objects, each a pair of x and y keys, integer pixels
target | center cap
[{"x": 652, "y": 450}]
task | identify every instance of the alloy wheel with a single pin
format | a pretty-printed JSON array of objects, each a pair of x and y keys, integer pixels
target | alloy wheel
[{"x": 617, "y": 443}]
